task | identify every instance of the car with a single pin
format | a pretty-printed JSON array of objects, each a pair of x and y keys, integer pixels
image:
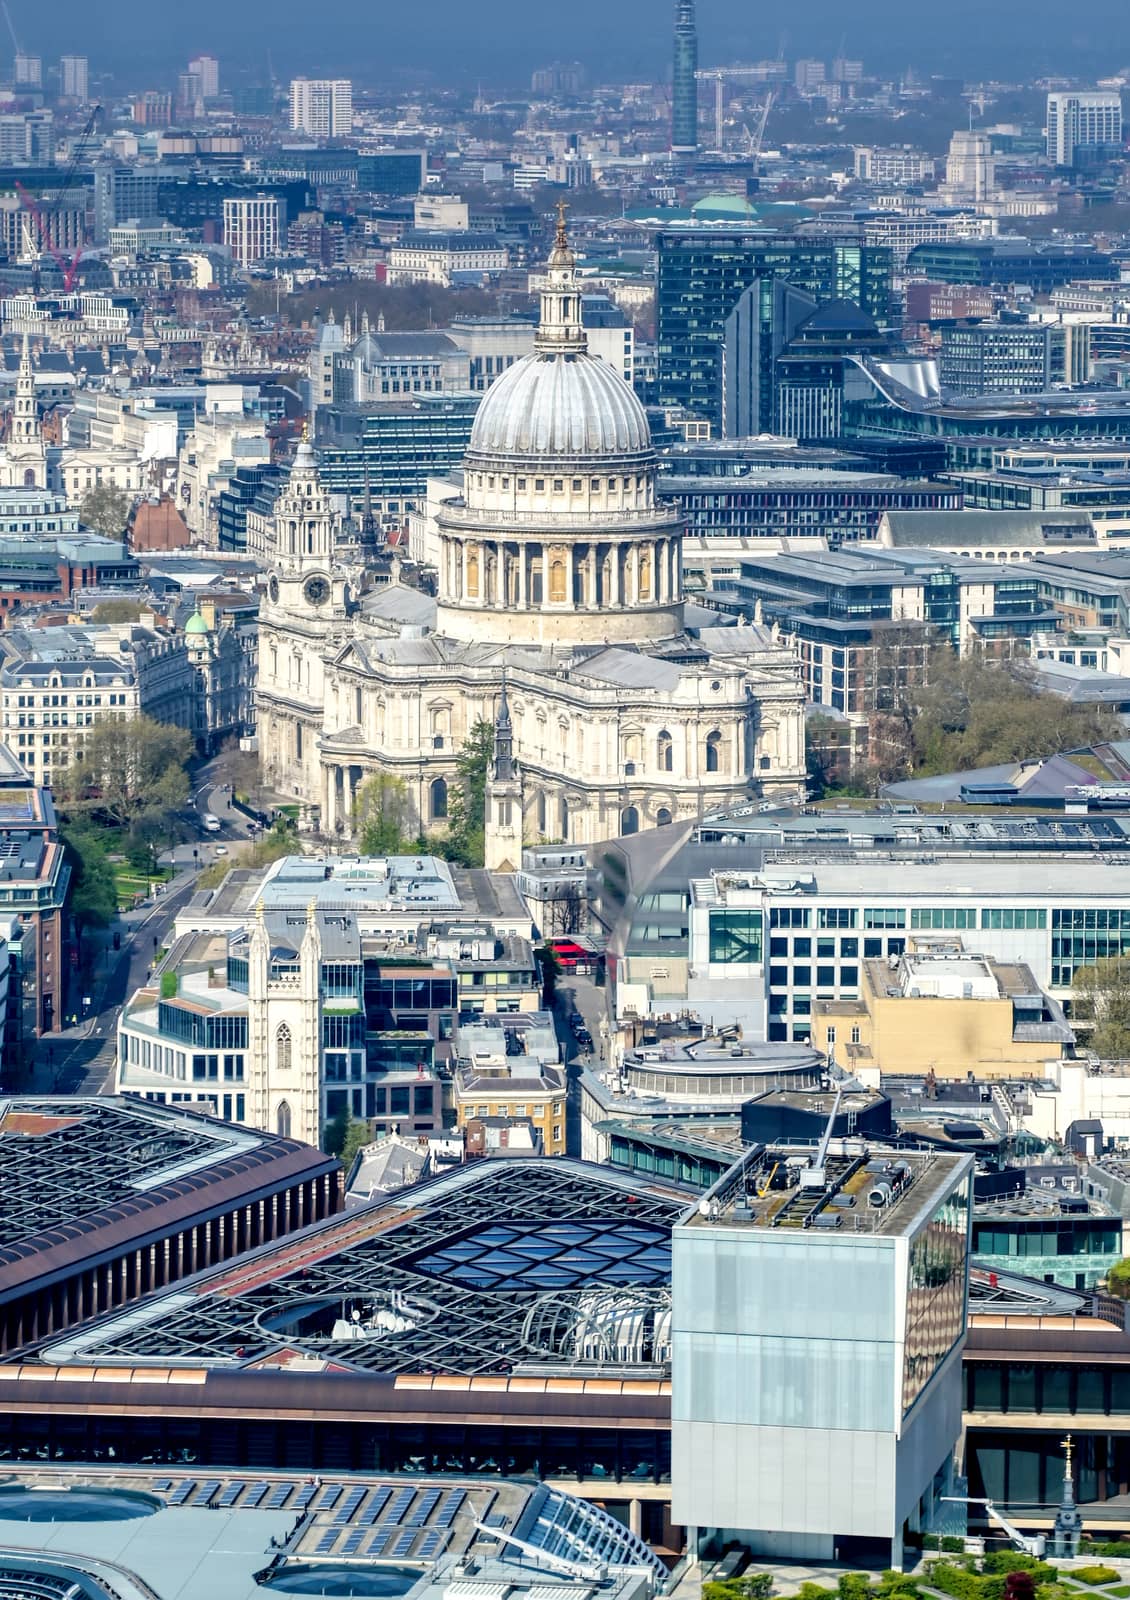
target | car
[
  {"x": 221, "y": 849},
  {"x": 211, "y": 824},
  {"x": 584, "y": 1038}
]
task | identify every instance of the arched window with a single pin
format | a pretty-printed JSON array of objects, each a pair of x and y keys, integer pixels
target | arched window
[
  {"x": 282, "y": 1119},
  {"x": 645, "y": 577},
  {"x": 541, "y": 811},
  {"x": 664, "y": 752},
  {"x": 473, "y": 576},
  {"x": 713, "y": 747},
  {"x": 284, "y": 1051},
  {"x": 557, "y": 582},
  {"x": 662, "y": 817},
  {"x": 29, "y": 478},
  {"x": 764, "y": 763},
  {"x": 439, "y": 799},
  {"x": 563, "y": 817},
  {"x": 629, "y": 820}
]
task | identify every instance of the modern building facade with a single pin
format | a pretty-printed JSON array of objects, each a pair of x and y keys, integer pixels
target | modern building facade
[
  {"x": 818, "y": 1319},
  {"x": 252, "y": 227},
  {"x": 321, "y": 107},
  {"x": 1082, "y": 124},
  {"x": 702, "y": 276}
]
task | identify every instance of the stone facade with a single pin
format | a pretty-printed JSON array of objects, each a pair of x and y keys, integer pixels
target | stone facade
[{"x": 559, "y": 567}]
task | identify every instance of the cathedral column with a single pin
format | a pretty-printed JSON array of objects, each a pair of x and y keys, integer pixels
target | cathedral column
[
  {"x": 632, "y": 575},
  {"x": 658, "y": 568},
  {"x": 347, "y": 808},
  {"x": 329, "y": 814},
  {"x": 523, "y": 577},
  {"x": 613, "y": 599},
  {"x": 462, "y": 569},
  {"x": 590, "y": 563}
]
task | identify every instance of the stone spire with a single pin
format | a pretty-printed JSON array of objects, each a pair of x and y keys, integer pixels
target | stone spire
[
  {"x": 504, "y": 770},
  {"x": 25, "y": 416},
  {"x": 561, "y": 330}
]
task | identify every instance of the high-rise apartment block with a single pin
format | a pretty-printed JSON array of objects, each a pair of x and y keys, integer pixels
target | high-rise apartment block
[
  {"x": 321, "y": 107},
  {"x": 251, "y": 227},
  {"x": 74, "y": 78},
  {"x": 809, "y": 76},
  {"x": 1079, "y": 121},
  {"x": 207, "y": 69},
  {"x": 27, "y": 71},
  {"x": 684, "y": 90}
]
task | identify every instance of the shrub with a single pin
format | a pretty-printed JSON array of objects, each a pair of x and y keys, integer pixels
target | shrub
[
  {"x": 168, "y": 985},
  {"x": 1093, "y": 1574}
]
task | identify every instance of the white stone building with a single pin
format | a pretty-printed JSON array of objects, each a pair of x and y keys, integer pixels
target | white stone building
[
  {"x": 558, "y": 566},
  {"x": 23, "y": 459}
]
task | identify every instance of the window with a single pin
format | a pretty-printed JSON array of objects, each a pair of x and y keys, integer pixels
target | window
[
  {"x": 1013, "y": 917},
  {"x": 439, "y": 799},
  {"x": 883, "y": 917},
  {"x": 664, "y": 752},
  {"x": 789, "y": 917},
  {"x": 830, "y": 1037},
  {"x": 835, "y": 917},
  {"x": 283, "y": 1051},
  {"x": 943, "y": 917},
  {"x": 713, "y": 747},
  {"x": 282, "y": 1119},
  {"x": 736, "y": 936}
]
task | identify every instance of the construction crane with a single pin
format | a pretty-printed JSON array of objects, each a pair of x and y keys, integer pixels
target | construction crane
[
  {"x": 1032, "y": 1544},
  {"x": 42, "y": 214}
]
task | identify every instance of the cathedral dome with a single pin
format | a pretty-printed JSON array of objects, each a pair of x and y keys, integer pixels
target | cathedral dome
[
  {"x": 560, "y": 404},
  {"x": 560, "y": 401}
]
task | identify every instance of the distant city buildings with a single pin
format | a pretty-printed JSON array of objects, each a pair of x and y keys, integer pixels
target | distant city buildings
[
  {"x": 252, "y": 229},
  {"x": 1082, "y": 123},
  {"x": 74, "y": 78},
  {"x": 321, "y": 107},
  {"x": 207, "y": 70}
]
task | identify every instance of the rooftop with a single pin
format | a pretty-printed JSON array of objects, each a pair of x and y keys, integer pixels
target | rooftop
[
  {"x": 488, "y": 1270},
  {"x": 844, "y": 1186}
]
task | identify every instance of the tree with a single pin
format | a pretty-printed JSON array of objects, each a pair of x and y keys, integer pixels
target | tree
[
  {"x": 752, "y": 1586},
  {"x": 1118, "y": 1279},
  {"x": 93, "y": 895},
  {"x": 382, "y": 811},
  {"x": 467, "y": 803},
  {"x": 117, "y": 611},
  {"x": 565, "y": 912},
  {"x": 1102, "y": 1006},
  {"x": 106, "y": 509},
  {"x": 128, "y": 774},
  {"x": 357, "y": 1136}
]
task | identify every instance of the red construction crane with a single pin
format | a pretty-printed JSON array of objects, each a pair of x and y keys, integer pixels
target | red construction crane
[{"x": 43, "y": 215}]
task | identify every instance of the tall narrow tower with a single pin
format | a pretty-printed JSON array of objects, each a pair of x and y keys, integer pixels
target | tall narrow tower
[
  {"x": 684, "y": 88},
  {"x": 502, "y": 845}
]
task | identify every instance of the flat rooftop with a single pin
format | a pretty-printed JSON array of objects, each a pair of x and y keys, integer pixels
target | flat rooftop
[{"x": 860, "y": 1188}]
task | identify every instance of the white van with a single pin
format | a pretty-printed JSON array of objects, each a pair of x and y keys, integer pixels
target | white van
[{"x": 211, "y": 823}]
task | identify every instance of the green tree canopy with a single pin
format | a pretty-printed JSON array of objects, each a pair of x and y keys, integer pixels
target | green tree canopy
[
  {"x": 1101, "y": 1008},
  {"x": 106, "y": 509},
  {"x": 128, "y": 774},
  {"x": 93, "y": 895},
  {"x": 468, "y": 799},
  {"x": 382, "y": 814},
  {"x": 122, "y": 610}
]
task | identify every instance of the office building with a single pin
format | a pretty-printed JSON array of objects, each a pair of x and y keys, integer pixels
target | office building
[
  {"x": 385, "y": 454},
  {"x": 207, "y": 70},
  {"x": 1012, "y": 357},
  {"x": 724, "y": 927},
  {"x": 509, "y": 1067},
  {"x": 74, "y": 80},
  {"x": 1045, "y": 1222},
  {"x": 252, "y": 227},
  {"x": 684, "y": 83},
  {"x": 1083, "y": 124},
  {"x": 1006, "y": 261},
  {"x": 702, "y": 278},
  {"x": 941, "y": 1010},
  {"x": 809, "y": 76},
  {"x": 27, "y": 71},
  {"x": 321, "y": 107},
  {"x": 392, "y": 172},
  {"x": 446, "y": 258},
  {"x": 121, "y": 193},
  {"x": 893, "y": 167},
  {"x": 817, "y": 1323}
]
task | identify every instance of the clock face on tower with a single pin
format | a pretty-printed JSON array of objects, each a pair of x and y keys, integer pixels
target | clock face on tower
[
  {"x": 316, "y": 590},
  {"x": 273, "y": 589}
]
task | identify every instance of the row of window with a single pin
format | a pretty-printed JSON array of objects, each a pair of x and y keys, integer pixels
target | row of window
[{"x": 940, "y": 918}]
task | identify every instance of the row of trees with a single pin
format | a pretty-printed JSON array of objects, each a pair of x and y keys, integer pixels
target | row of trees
[{"x": 934, "y": 712}]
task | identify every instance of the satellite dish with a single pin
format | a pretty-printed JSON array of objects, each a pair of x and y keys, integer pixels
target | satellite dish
[{"x": 705, "y": 1208}]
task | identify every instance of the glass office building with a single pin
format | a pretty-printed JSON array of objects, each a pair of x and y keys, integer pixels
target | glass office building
[
  {"x": 817, "y": 1326},
  {"x": 702, "y": 276}
]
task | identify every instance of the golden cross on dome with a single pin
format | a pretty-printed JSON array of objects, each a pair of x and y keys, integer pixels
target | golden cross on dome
[{"x": 562, "y": 240}]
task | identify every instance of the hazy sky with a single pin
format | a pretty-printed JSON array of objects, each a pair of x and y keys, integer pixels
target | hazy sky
[{"x": 504, "y": 37}]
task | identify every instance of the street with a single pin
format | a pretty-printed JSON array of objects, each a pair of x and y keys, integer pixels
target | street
[
  {"x": 81, "y": 1059},
  {"x": 577, "y": 993}
]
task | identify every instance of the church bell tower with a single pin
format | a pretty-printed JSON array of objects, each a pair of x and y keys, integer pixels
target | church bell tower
[{"x": 502, "y": 845}]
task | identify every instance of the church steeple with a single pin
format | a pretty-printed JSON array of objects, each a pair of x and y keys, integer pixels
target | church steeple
[
  {"x": 25, "y": 414},
  {"x": 502, "y": 834},
  {"x": 560, "y": 330},
  {"x": 504, "y": 770}
]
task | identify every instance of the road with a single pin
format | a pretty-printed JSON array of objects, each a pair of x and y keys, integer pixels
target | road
[
  {"x": 81, "y": 1059},
  {"x": 575, "y": 993}
]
